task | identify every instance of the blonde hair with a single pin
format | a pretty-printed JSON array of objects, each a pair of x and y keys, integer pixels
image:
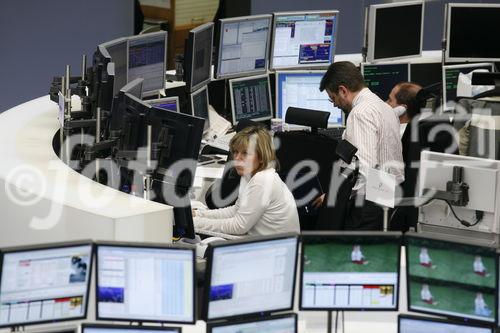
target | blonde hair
[{"x": 255, "y": 139}]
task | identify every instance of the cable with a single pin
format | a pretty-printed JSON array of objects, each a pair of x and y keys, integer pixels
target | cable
[{"x": 479, "y": 216}]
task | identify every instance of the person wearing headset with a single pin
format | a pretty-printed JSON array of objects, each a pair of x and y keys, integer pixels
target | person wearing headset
[{"x": 265, "y": 205}]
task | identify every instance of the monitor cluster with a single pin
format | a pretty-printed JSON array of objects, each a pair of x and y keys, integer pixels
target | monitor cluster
[{"x": 250, "y": 283}]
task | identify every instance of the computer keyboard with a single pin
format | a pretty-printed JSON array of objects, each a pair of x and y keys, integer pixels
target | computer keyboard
[
  {"x": 216, "y": 234},
  {"x": 333, "y": 132}
]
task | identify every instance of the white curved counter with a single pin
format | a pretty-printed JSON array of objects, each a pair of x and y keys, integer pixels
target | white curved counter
[{"x": 43, "y": 200}]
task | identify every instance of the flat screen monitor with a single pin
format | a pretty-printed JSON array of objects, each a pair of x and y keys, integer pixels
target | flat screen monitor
[
  {"x": 350, "y": 271},
  {"x": 243, "y": 46},
  {"x": 176, "y": 139},
  {"x": 420, "y": 324},
  {"x": 117, "y": 49},
  {"x": 472, "y": 32},
  {"x": 426, "y": 74},
  {"x": 47, "y": 283},
  {"x": 118, "y": 109},
  {"x": 147, "y": 60},
  {"x": 109, "y": 328},
  {"x": 198, "y": 56},
  {"x": 251, "y": 98},
  {"x": 166, "y": 103},
  {"x": 395, "y": 30},
  {"x": 451, "y": 278},
  {"x": 255, "y": 275},
  {"x": 304, "y": 39},
  {"x": 271, "y": 324},
  {"x": 103, "y": 78},
  {"x": 199, "y": 106},
  {"x": 381, "y": 78},
  {"x": 450, "y": 79},
  {"x": 145, "y": 283},
  {"x": 301, "y": 89}
]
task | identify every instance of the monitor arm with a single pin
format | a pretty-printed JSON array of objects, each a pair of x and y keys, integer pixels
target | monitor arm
[{"x": 456, "y": 194}]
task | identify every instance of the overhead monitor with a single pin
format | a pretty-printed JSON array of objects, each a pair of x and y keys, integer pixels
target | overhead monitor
[
  {"x": 255, "y": 275},
  {"x": 199, "y": 106},
  {"x": 304, "y": 39},
  {"x": 145, "y": 283},
  {"x": 271, "y": 324},
  {"x": 451, "y": 278},
  {"x": 147, "y": 60},
  {"x": 450, "y": 79},
  {"x": 301, "y": 89},
  {"x": 166, "y": 103},
  {"x": 109, "y": 328},
  {"x": 243, "y": 46},
  {"x": 198, "y": 56},
  {"x": 48, "y": 283},
  {"x": 350, "y": 271},
  {"x": 251, "y": 98},
  {"x": 420, "y": 324},
  {"x": 395, "y": 30},
  {"x": 117, "y": 49},
  {"x": 472, "y": 32},
  {"x": 381, "y": 78}
]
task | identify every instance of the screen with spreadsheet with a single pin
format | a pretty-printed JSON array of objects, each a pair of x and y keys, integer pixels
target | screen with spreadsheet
[
  {"x": 243, "y": 45},
  {"x": 251, "y": 98},
  {"x": 251, "y": 276},
  {"x": 414, "y": 324},
  {"x": 46, "y": 284},
  {"x": 381, "y": 78},
  {"x": 451, "y": 278},
  {"x": 139, "y": 283},
  {"x": 301, "y": 90},
  {"x": 304, "y": 39},
  {"x": 167, "y": 103},
  {"x": 450, "y": 79},
  {"x": 352, "y": 271},
  {"x": 146, "y": 59},
  {"x": 272, "y": 324}
]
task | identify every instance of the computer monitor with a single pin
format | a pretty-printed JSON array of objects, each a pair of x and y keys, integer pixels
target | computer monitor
[
  {"x": 381, "y": 78},
  {"x": 109, "y": 328},
  {"x": 145, "y": 283},
  {"x": 450, "y": 79},
  {"x": 426, "y": 74},
  {"x": 102, "y": 80},
  {"x": 117, "y": 49},
  {"x": 166, "y": 103},
  {"x": 243, "y": 46},
  {"x": 420, "y": 324},
  {"x": 472, "y": 32},
  {"x": 176, "y": 139},
  {"x": 272, "y": 324},
  {"x": 301, "y": 89},
  {"x": 46, "y": 283},
  {"x": 350, "y": 271},
  {"x": 147, "y": 60},
  {"x": 395, "y": 30},
  {"x": 251, "y": 98},
  {"x": 250, "y": 276},
  {"x": 198, "y": 56},
  {"x": 452, "y": 278},
  {"x": 304, "y": 39},
  {"x": 199, "y": 106}
]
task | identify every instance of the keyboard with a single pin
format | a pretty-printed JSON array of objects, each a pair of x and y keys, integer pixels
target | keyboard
[
  {"x": 216, "y": 234},
  {"x": 333, "y": 132}
]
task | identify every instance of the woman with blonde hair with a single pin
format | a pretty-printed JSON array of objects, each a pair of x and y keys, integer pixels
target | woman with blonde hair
[{"x": 265, "y": 205}]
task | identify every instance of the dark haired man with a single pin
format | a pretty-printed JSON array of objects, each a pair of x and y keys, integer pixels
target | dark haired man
[{"x": 373, "y": 128}]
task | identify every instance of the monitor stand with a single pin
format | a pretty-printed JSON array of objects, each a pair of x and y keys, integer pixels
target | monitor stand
[
  {"x": 17, "y": 329},
  {"x": 329, "y": 321}
]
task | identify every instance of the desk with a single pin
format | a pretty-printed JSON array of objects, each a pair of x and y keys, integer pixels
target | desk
[{"x": 46, "y": 201}]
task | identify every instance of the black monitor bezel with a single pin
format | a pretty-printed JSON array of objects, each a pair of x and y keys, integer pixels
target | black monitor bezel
[
  {"x": 190, "y": 47},
  {"x": 336, "y": 235},
  {"x": 147, "y": 246},
  {"x": 50, "y": 246},
  {"x": 248, "y": 240},
  {"x": 211, "y": 326},
  {"x": 448, "y": 239},
  {"x": 440, "y": 320},
  {"x": 129, "y": 327}
]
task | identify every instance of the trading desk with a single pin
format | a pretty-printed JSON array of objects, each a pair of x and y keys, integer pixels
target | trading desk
[{"x": 46, "y": 201}]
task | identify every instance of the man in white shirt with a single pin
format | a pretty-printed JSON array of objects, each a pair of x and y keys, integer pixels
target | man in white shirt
[{"x": 373, "y": 128}]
